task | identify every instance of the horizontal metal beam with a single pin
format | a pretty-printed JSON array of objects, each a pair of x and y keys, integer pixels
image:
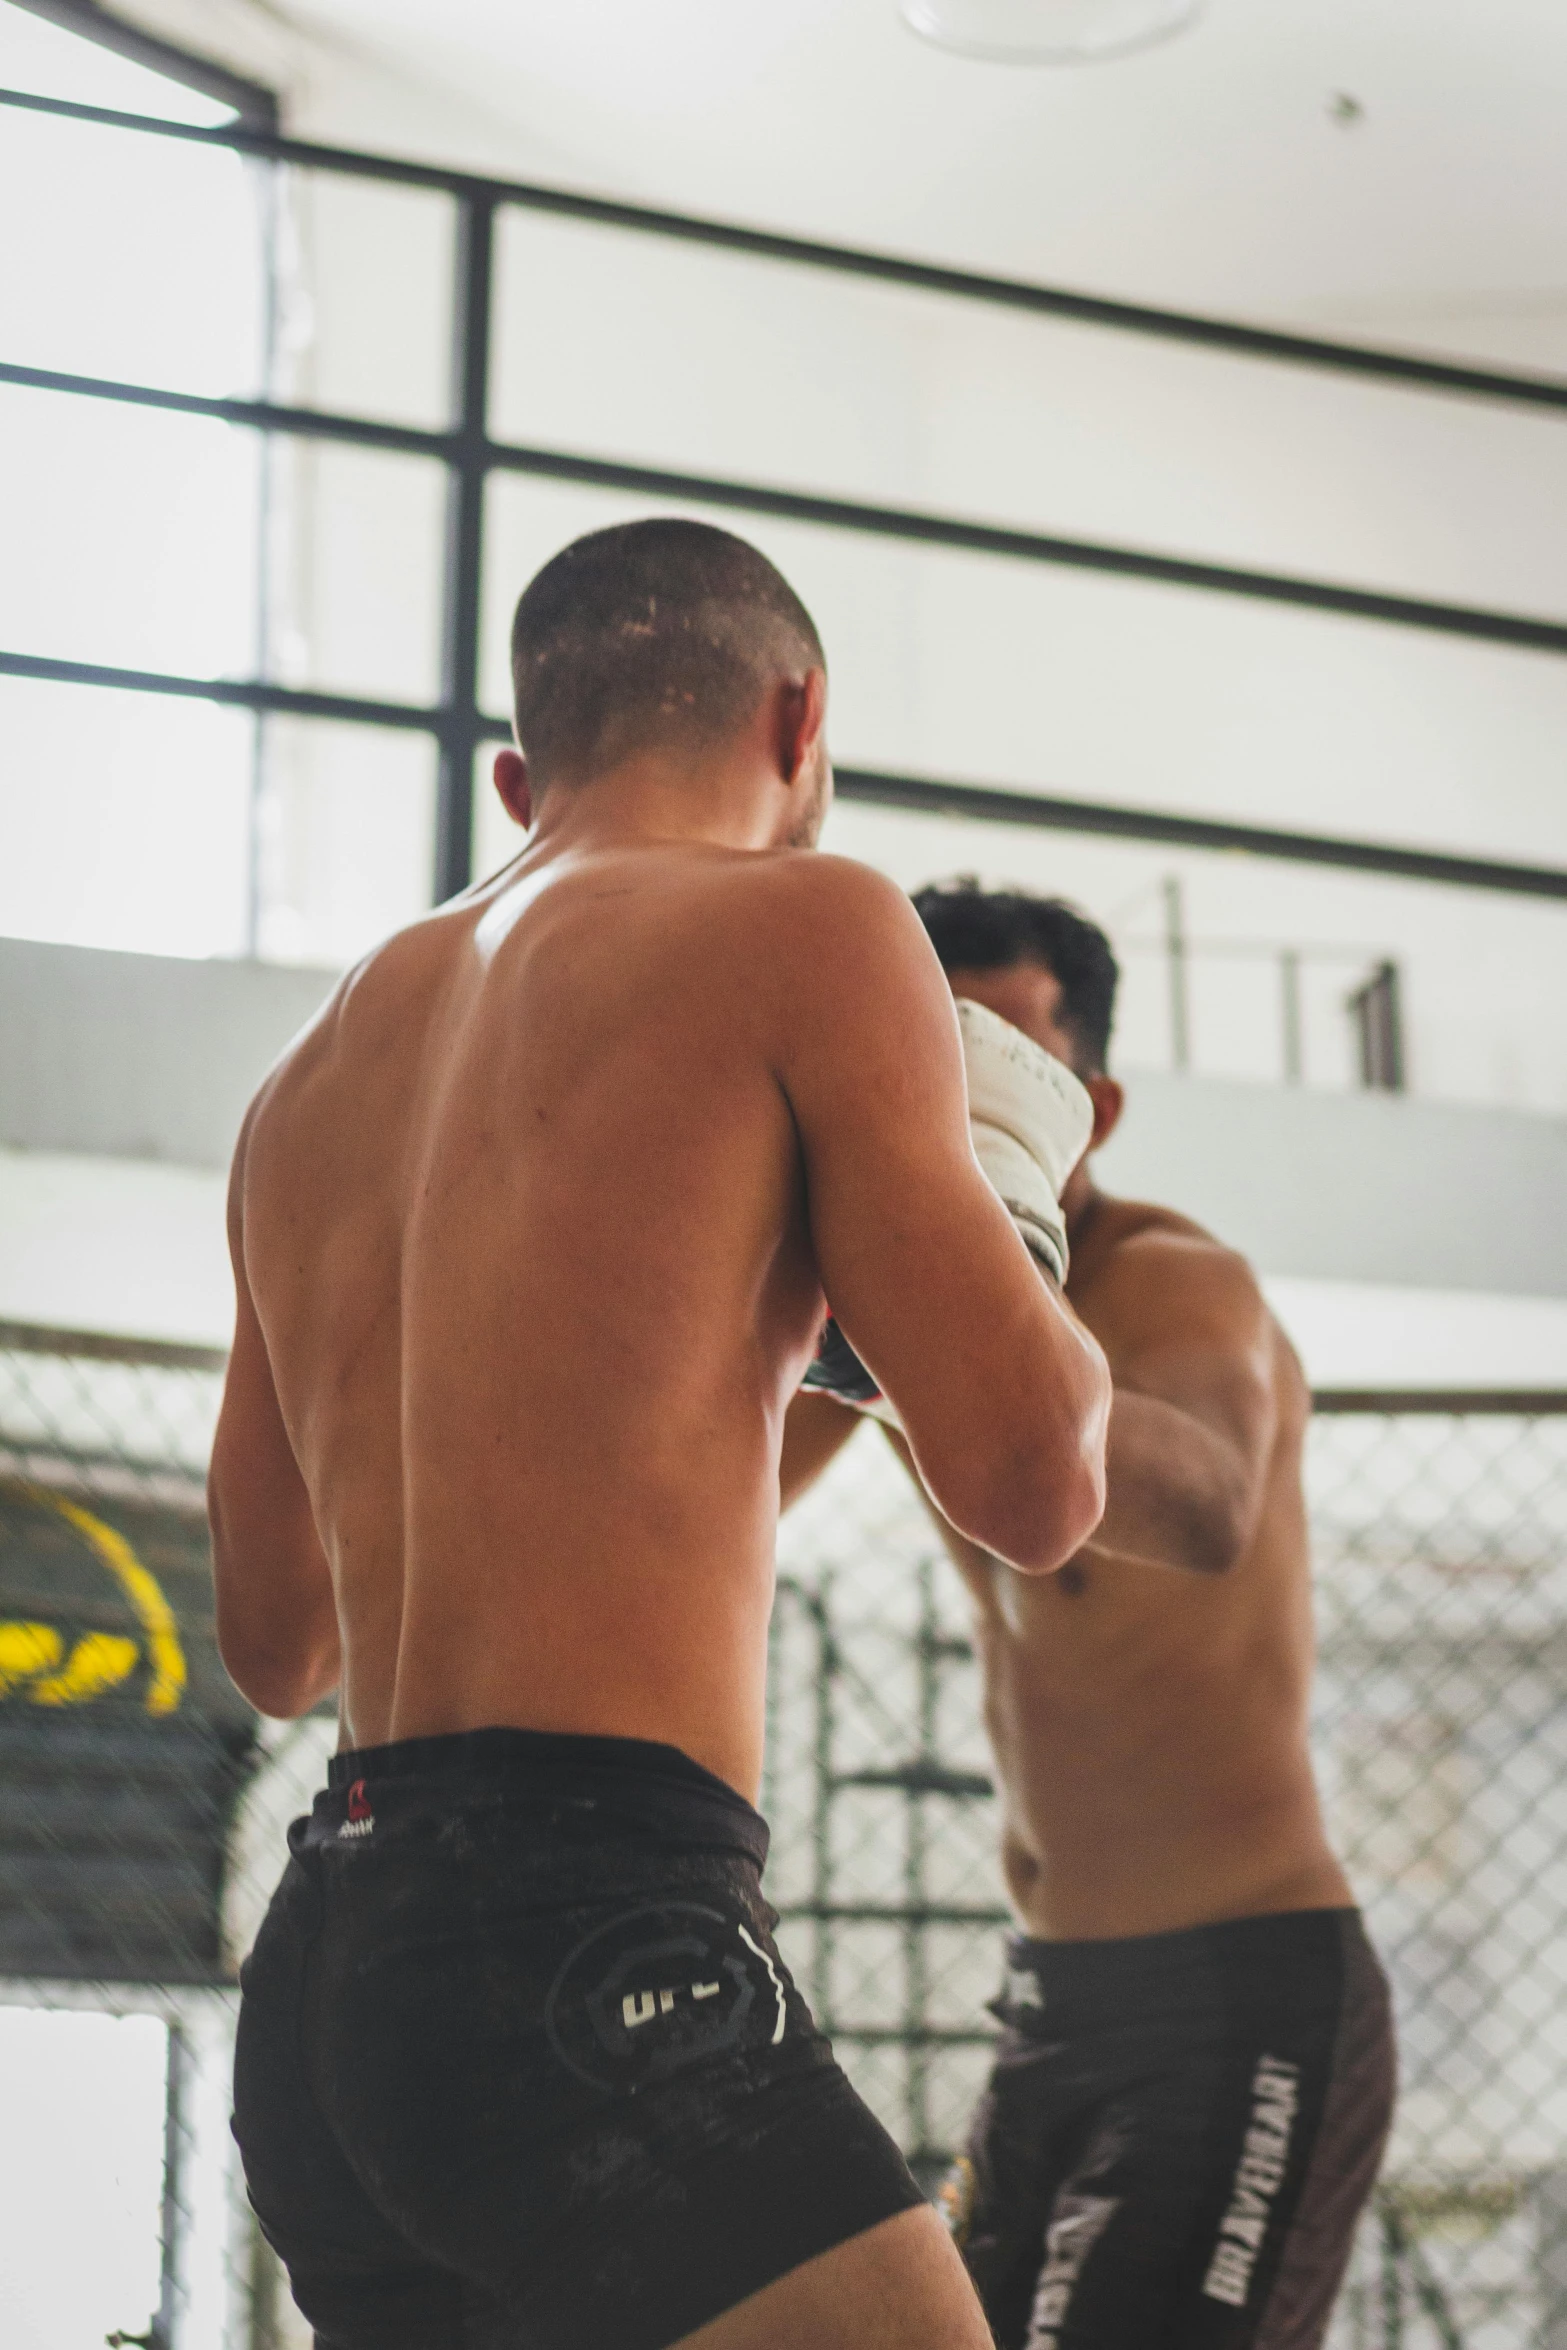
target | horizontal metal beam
[
  {"x": 923, "y": 795},
  {"x": 285, "y": 701},
  {"x": 253, "y": 102},
  {"x": 1403, "y": 368},
  {"x": 952, "y": 533},
  {"x": 938, "y": 530},
  {"x": 894, "y": 1913},
  {"x": 914, "y": 2035},
  {"x": 1384, "y": 1402},
  {"x": 926, "y": 796},
  {"x": 1525, "y": 1403},
  {"x": 922, "y": 1777},
  {"x": 34, "y": 1338},
  {"x": 315, "y": 424}
]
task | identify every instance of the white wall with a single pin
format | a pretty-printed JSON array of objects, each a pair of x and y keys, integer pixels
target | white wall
[
  {"x": 133, "y": 1247},
  {"x": 139, "y": 1056},
  {"x": 128, "y": 1057},
  {"x": 1359, "y": 1187}
]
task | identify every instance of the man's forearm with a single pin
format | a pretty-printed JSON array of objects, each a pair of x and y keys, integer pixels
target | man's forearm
[
  {"x": 276, "y": 1618},
  {"x": 1177, "y": 1495}
]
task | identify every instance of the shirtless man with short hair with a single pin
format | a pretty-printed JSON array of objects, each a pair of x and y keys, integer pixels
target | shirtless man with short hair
[
  {"x": 530, "y": 1232},
  {"x": 1195, "y": 2073}
]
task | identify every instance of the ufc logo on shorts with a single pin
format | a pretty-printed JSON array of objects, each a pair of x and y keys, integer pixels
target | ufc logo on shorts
[{"x": 640, "y": 2007}]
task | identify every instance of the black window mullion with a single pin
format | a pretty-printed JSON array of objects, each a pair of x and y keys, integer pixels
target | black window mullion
[{"x": 462, "y": 723}]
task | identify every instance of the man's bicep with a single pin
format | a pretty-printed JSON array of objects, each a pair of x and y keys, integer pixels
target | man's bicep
[{"x": 1189, "y": 1327}]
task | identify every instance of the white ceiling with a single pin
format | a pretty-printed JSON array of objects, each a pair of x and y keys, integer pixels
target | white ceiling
[{"x": 1207, "y": 173}]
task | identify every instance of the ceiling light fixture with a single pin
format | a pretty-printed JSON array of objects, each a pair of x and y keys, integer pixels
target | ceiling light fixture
[{"x": 1046, "y": 32}]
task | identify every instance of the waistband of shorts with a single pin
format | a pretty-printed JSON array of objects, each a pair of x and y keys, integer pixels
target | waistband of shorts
[
  {"x": 1106, "y": 1974},
  {"x": 659, "y": 1787}
]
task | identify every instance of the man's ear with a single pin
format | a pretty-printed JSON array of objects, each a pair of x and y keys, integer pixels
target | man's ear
[
  {"x": 511, "y": 781},
  {"x": 1109, "y": 1099},
  {"x": 801, "y": 716}
]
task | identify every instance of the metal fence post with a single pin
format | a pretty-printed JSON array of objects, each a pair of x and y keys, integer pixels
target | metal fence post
[
  {"x": 1550, "y": 2256},
  {"x": 1290, "y": 1009},
  {"x": 170, "y": 2281},
  {"x": 821, "y": 1800},
  {"x": 1376, "y": 1010},
  {"x": 1392, "y": 2280},
  {"x": 1175, "y": 951},
  {"x": 916, "y": 1973}
]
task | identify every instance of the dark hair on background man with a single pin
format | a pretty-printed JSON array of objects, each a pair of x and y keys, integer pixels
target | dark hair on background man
[
  {"x": 653, "y": 634},
  {"x": 977, "y": 929}
]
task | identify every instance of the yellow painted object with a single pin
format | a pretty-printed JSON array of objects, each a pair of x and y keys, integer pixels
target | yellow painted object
[
  {"x": 100, "y": 1660},
  {"x": 27, "y": 1649}
]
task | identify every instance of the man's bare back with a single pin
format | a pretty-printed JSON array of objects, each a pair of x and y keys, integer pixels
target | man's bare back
[{"x": 559, "y": 1283}]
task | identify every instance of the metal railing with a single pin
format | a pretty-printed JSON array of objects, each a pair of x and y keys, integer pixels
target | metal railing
[
  {"x": 470, "y": 455},
  {"x": 1371, "y": 1005}
]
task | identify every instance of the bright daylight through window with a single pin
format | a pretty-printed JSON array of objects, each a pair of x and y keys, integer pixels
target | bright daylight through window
[
  {"x": 191, "y": 547},
  {"x": 131, "y": 535}
]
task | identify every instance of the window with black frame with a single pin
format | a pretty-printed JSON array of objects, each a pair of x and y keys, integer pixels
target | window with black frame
[
  {"x": 133, "y": 536},
  {"x": 287, "y": 427},
  {"x": 169, "y": 546}
]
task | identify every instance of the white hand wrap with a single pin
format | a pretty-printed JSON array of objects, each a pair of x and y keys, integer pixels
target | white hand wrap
[{"x": 1030, "y": 1120}]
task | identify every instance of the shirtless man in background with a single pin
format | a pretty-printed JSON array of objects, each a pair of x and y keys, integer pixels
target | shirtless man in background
[
  {"x": 530, "y": 1234},
  {"x": 1195, "y": 2073}
]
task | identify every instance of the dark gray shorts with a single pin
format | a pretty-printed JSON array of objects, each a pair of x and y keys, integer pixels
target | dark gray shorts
[
  {"x": 519, "y": 2066},
  {"x": 1178, "y": 2136}
]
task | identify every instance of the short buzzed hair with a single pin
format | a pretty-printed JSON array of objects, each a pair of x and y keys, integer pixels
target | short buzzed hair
[
  {"x": 650, "y": 635},
  {"x": 978, "y": 929}
]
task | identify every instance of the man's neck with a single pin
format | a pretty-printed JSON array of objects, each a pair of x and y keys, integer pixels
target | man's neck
[{"x": 652, "y": 802}]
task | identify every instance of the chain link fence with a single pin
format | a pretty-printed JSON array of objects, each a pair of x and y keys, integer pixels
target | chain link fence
[{"x": 142, "y": 1809}]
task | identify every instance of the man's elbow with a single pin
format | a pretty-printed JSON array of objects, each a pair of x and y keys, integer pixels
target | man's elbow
[
  {"x": 1037, "y": 1510},
  {"x": 1028, "y": 1483},
  {"x": 282, "y": 1687},
  {"x": 1058, "y": 1520},
  {"x": 282, "y": 1679},
  {"x": 1066, "y": 1474}
]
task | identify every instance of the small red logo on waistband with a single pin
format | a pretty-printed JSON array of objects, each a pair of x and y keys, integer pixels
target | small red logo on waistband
[{"x": 361, "y": 1819}]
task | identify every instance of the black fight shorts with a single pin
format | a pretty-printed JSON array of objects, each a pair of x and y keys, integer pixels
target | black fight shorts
[
  {"x": 519, "y": 2066},
  {"x": 1178, "y": 2136}
]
